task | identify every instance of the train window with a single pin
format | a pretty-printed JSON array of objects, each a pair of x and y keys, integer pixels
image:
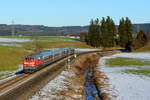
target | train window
[
  {"x": 27, "y": 58},
  {"x": 32, "y": 58}
]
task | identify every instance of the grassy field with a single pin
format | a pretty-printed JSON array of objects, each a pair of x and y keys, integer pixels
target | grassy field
[
  {"x": 12, "y": 56},
  {"x": 62, "y": 44},
  {"x": 121, "y": 61},
  {"x": 145, "y": 72},
  {"x": 50, "y": 42}
]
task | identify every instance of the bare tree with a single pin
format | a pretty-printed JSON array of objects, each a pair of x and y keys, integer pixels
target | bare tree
[{"x": 36, "y": 44}]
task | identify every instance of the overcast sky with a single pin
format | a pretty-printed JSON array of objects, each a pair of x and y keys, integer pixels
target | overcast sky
[{"x": 71, "y": 12}]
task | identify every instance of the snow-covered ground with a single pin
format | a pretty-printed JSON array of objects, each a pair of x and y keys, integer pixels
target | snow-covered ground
[
  {"x": 7, "y": 41},
  {"x": 145, "y": 56},
  {"x": 12, "y": 45},
  {"x": 14, "y": 40},
  {"x": 129, "y": 86},
  {"x": 53, "y": 90},
  {"x": 49, "y": 92},
  {"x": 85, "y": 49}
]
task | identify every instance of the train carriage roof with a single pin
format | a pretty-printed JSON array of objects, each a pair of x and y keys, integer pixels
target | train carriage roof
[
  {"x": 46, "y": 53},
  {"x": 34, "y": 55},
  {"x": 51, "y": 52}
]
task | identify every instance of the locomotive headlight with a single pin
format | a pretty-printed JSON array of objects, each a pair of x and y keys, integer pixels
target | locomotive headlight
[
  {"x": 26, "y": 63},
  {"x": 32, "y": 63}
]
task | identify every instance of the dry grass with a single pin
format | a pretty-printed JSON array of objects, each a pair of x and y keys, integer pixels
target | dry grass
[
  {"x": 101, "y": 81},
  {"x": 143, "y": 49}
]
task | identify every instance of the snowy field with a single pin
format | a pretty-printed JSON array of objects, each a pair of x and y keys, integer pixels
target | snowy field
[
  {"x": 13, "y": 40},
  {"x": 85, "y": 49},
  {"x": 129, "y": 86},
  {"x": 7, "y": 41},
  {"x": 145, "y": 56},
  {"x": 12, "y": 45}
]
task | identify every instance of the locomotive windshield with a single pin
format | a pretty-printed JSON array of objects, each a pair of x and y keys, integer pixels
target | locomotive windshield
[
  {"x": 31, "y": 58},
  {"x": 27, "y": 58}
]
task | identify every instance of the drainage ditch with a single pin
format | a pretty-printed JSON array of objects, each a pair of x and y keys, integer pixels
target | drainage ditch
[{"x": 91, "y": 91}]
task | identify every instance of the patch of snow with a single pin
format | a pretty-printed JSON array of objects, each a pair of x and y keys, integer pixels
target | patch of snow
[
  {"x": 115, "y": 69},
  {"x": 13, "y": 45},
  {"x": 129, "y": 86},
  {"x": 6, "y": 79},
  {"x": 14, "y": 40},
  {"x": 76, "y": 96},
  {"x": 56, "y": 84},
  {"x": 131, "y": 55},
  {"x": 50, "y": 91},
  {"x": 82, "y": 50}
]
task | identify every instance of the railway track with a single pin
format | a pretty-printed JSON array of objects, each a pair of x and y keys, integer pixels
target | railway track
[{"x": 12, "y": 81}]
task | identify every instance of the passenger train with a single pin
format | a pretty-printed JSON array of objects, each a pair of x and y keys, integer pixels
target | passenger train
[{"x": 34, "y": 62}]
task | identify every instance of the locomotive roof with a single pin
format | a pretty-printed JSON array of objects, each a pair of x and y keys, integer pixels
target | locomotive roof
[
  {"x": 46, "y": 53},
  {"x": 34, "y": 55}
]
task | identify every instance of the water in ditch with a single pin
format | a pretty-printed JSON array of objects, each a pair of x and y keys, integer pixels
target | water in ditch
[{"x": 91, "y": 92}]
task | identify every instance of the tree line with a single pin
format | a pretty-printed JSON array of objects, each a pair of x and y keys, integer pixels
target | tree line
[{"x": 104, "y": 33}]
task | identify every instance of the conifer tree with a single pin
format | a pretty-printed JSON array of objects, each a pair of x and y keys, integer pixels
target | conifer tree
[
  {"x": 94, "y": 33},
  {"x": 90, "y": 33},
  {"x": 96, "y": 38},
  {"x": 102, "y": 35},
  {"x": 103, "y": 32},
  {"x": 125, "y": 32},
  {"x": 129, "y": 29},
  {"x": 122, "y": 33},
  {"x": 141, "y": 40},
  {"x": 111, "y": 30},
  {"x": 108, "y": 31}
]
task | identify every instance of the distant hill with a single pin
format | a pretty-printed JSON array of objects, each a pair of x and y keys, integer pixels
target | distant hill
[
  {"x": 145, "y": 27},
  {"x": 42, "y": 30},
  {"x": 56, "y": 31}
]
